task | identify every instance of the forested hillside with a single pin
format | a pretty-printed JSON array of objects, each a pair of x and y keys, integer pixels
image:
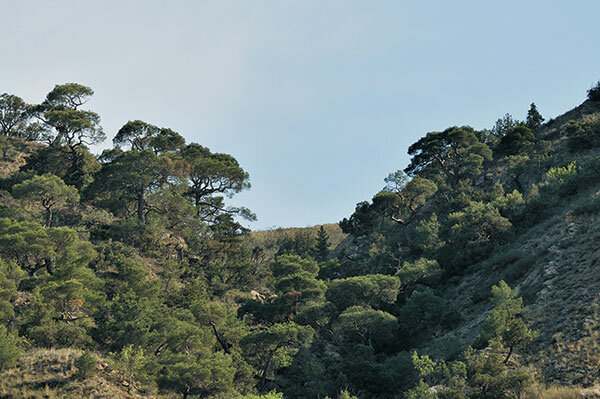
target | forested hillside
[{"x": 472, "y": 273}]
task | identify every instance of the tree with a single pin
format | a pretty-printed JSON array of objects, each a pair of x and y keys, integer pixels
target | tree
[
  {"x": 34, "y": 247},
  {"x": 296, "y": 287},
  {"x": 202, "y": 374},
  {"x": 371, "y": 290},
  {"x": 421, "y": 313},
  {"x": 133, "y": 366},
  {"x": 360, "y": 325},
  {"x": 49, "y": 191},
  {"x": 52, "y": 160},
  {"x": 519, "y": 140},
  {"x": 423, "y": 271},
  {"x": 321, "y": 245},
  {"x": 272, "y": 348},
  {"x": 210, "y": 173},
  {"x": 473, "y": 230},
  {"x": 130, "y": 176},
  {"x": 503, "y": 126},
  {"x": 222, "y": 320},
  {"x": 140, "y": 136},
  {"x": 361, "y": 222},
  {"x": 411, "y": 196},
  {"x": 534, "y": 118},
  {"x": 9, "y": 348},
  {"x": 74, "y": 128},
  {"x": 456, "y": 152},
  {"x": 517, "y": 167},
  {"x": 505, "y": 321},
  {"x": 85, "y": 365},
  {"x": 594, "y": 92},
  {"x": 13, "y": 115}
]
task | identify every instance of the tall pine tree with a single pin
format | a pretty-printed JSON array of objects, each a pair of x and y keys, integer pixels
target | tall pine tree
[{"x": 322, "y": 245}]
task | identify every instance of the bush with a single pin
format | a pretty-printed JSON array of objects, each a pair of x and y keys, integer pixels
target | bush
[
  {"x": 582, "y": 135},
  {"x": 85, "y": 365},
  {"x": 9, "y": 348}
]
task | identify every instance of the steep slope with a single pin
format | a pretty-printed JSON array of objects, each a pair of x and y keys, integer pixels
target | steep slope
[{"x": 555, "y": 267}]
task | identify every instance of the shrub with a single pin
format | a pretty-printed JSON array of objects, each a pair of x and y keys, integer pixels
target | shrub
[
  {"x": 9, "y": 348},
  {"x": 85, "y": 365},
  {"x": 582, "y": 135}
]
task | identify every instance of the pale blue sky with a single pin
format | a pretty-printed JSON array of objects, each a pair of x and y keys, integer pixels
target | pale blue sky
[{"x": 318, "y": 100}]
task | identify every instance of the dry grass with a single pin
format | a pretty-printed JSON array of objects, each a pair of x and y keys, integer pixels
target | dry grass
[
  {"x": 559, "y": 392},
  {"x": 49, "y": 374},
  {"x": 270, "y": 239},
  {"x": 13, "y": 155}
]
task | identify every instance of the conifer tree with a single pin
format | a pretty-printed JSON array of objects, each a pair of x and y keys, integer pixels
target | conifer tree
[
  {"x": 322, "y": 245},
  {"x": 534, "y": 118}
]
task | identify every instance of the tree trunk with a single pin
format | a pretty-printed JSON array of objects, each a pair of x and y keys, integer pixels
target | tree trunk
[
  {"x": 140, "y": 207},
  {"x": 48, "y": 217},
  {"x": 510, "y": 351},
  {"x": 49, "y": 263},
  {"x": 219, "y": 339}
]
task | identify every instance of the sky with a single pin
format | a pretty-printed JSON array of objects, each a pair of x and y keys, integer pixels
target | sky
[{"x": 317, "y": 100}]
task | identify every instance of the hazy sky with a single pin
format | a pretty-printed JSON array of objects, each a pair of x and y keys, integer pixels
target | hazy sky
[{"x": 318, "y": 100}]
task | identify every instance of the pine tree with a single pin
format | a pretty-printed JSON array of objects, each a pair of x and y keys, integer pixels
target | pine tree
[
  {"x": 322, "y": 245},
  {"x": 534, "y": 118}
]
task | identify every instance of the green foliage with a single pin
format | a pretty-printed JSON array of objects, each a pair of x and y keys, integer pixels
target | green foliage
[
  {"x": 518, "y": 140},
  {"x": 582, "y": 135},
  {"x": 156, "y": 269},
  {"x": 47, "y": 191},
  {"x": 8, "y": 288},
  {"x": 534, "y": 118},
  {"x": 210, "y": 173},
  {"x": 9, "y": 348},
  {"x": 505, "y": 321},
  {"x": 346, "y": 395},
  {"x": 273, "y": 348},
  {"x": 456, "y": 152},
  {"x": 198, "y": 375},
  {"x": 359, "y": 325},
  {"x": 472, "y": 232},
  {"x": 593, "y": 93},
  {"x": 421, "y": 391},
  {"x": 424, "y": 271},
  {"x": 270, "y": 395},
  {"x": 559, "y": 175},
  {"x": 287, "y": 265},
  {"x": 13, "y": 115},
  {"x": 371, "y": 290},
  {"x": 85, "y": 365},
  {"x": 503, "y": 126},
  {"x": 420, "y": 315},
  {"x": 321, "y": 245},
  {"x": 427, "y": 235},
  {"x": 77, "y": 172},
  {"x": 133, "y": 366},
  {"x": 361, "y": 222}
]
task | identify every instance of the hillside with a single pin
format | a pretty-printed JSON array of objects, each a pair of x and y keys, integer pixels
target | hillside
[
  {"x": 553, "y": 264},
  {"x": 273, "y": 240},
  {"x": 43, "y": 373},
  {"x": 472, "y": 274}
]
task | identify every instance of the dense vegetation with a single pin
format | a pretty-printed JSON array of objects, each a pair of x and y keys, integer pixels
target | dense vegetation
[{"x": 133, "y": 259}]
